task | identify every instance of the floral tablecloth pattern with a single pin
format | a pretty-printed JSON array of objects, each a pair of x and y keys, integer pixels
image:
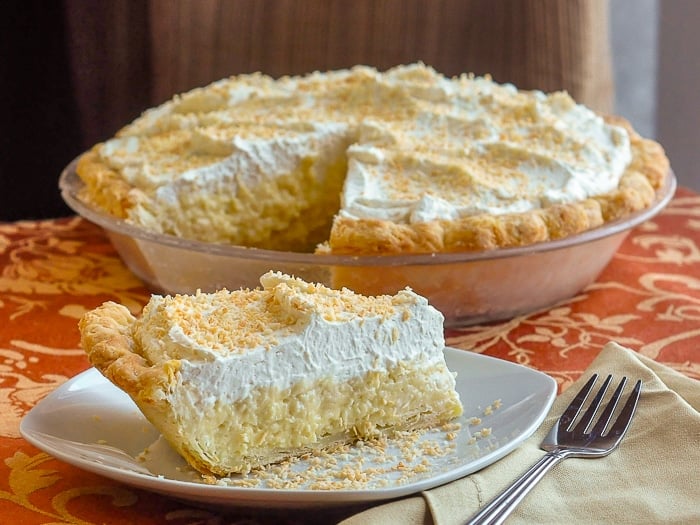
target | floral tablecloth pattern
[{"x": 52, "y": 271}]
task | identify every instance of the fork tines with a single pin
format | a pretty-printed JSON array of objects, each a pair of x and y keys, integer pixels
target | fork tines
[{"x": 568, "y": 419}]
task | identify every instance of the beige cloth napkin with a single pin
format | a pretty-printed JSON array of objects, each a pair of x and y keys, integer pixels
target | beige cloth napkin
[{"x": 653, "y": 477}]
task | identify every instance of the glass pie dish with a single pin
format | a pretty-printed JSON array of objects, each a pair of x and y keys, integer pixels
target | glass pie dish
[{"x": 468, "y": 288}]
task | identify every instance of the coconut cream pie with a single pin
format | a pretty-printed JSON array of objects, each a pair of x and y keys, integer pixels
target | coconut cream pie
[
  {"x": 235, "y": 380},
  {"x": 366, "y": 162}
]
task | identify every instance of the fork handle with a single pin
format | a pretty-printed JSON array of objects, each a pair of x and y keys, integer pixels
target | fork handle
[{"x": 501, "y": 507}]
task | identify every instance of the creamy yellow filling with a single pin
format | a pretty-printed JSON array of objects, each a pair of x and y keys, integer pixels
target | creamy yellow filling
[{"x": 270, "y": 424}]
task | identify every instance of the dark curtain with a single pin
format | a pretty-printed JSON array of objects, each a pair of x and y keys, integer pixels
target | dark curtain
[{"x": 39, "y": 122}]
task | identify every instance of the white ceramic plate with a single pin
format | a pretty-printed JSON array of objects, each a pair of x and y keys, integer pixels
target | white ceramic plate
[{"x": 93, "y": 425}]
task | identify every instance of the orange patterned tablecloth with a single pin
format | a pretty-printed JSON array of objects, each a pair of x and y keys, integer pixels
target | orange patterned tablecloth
[{"x": 647, "y": 299}]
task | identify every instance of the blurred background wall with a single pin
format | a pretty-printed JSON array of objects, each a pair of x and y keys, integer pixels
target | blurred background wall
[
  {"x": 678, "y": 87},
  {"x": 74, "y": 71},
  {"x": 634, "y": 36}
]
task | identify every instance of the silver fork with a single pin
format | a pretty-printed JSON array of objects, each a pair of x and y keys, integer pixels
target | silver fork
[{"x": 567, "y": 439}]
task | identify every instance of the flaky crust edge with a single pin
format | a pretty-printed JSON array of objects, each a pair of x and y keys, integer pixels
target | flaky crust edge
[
  {"x": 103, "y": 186},
  {"x": 636, "y": 191},
  {"x": 106, "y": 337}
]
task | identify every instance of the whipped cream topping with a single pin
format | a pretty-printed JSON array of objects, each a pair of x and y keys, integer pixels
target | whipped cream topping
[
  {"x": 492, "y": 150},
  {"x": 421, "y": 146},
  {"x": 287, "y": 332},
  {"x": 246, "y": 151}
]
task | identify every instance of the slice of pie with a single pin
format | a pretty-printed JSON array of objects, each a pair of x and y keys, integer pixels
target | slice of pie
[{"x": 236, "y": 380}]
